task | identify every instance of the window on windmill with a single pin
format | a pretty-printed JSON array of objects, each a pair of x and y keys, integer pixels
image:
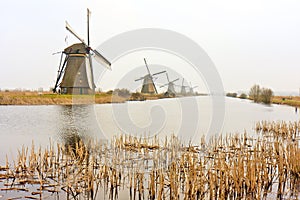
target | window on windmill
[
  {"x": 78, "y": 73},
  {"x": 80, "y": 81}
]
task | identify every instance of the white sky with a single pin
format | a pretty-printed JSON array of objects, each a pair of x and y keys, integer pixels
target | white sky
[{"x": 249, "y": 41}]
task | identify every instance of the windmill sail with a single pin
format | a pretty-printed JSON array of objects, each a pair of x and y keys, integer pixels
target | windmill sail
[{"x": 89, "y": 72}]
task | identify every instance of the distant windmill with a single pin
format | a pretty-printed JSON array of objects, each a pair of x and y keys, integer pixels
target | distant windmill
[
  {"x": 170, "y": 84},
  {"x": 183, "y": 90},
  {"x": 75, "y": 74},
  {"x": 148, "y": 83},
  {"x": 192, "y": 89}
]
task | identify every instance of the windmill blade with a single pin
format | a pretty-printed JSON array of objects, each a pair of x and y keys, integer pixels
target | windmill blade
[
  {"x": 139, "y": 79},
  {"x": 159, "y": 73},
  {"x": 154, "y": 79},
  {"x": 60, "y": 72},
  {"x": 147, "y": 66},
  {"x": 167, "y": 77},
  {"x": 174, "y": 80},
  {"x": 90, "y": 73},
  {"x": 178, "y": 86},
  {"x": 164, "y": 85},
  {"x": 69, "y": 28},
  {"x": 88, "y": 26},
  {"x": 101, "y": 59},
  {"x": 181, "y": 86}
]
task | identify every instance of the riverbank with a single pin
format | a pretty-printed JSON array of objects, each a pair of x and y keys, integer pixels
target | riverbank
[
  {"x": 48, "y": 98},
  {"x": 287, "y": 100}
]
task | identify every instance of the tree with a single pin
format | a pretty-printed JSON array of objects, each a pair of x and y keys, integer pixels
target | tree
[
  {"x": 122, "y": 92},
  {"x": 229, "y": 94},
  {"x": 255, "y": 93},
  {"x": 243, "y": 96},
  {"x": 266, "y": 95}
]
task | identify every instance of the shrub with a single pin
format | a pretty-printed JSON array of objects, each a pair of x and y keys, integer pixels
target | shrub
[
  {"x": 109, "y": 92},
  {"x": 243, "y": 96},
  {"x": 231, "y": 94},
  {"x": 122, "y": 92}
]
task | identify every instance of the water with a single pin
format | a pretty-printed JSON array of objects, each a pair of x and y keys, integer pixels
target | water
[{"x": 188, "y": 118}]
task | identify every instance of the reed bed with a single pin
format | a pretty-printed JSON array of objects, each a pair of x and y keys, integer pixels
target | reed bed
[{"x": 261, "y": 166}]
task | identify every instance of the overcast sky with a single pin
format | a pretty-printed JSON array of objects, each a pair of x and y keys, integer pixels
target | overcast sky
[{"x": 249, "y": 41}]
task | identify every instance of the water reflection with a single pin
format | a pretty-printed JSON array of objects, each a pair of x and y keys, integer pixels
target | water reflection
[{"x": 78, "y": 123}]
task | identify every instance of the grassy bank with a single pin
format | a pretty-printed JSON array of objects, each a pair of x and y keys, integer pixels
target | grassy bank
[
  {"x": 48, "y": 98},
  {"x": 287, "y": 100}
]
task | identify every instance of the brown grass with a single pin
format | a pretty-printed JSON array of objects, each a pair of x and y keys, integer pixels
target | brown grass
[
  {"x": 48, "y": 98},
  {"x": 228, "y": 167},
  {"x": 287, "y": 100}
]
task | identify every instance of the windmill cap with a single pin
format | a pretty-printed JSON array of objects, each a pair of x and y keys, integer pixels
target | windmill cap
[{"x": 77, "y": 48}]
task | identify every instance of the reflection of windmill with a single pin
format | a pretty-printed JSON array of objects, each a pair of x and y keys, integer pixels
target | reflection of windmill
[
  {"x": 183, "y": 90},
  {"x": 170, "y": 84},
  {"x": 148, "y": 84},
  {"x": 75, "y": 74}
]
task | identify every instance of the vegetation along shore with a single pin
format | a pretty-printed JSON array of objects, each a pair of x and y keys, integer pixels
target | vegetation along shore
[{"x": 48, "y": 98}]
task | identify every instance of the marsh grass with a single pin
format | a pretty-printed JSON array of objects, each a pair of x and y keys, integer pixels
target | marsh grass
[{"x": 263, "y": 166}]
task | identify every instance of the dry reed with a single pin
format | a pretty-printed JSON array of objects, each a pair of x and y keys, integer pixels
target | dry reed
[{"x": 265, "y": 165}]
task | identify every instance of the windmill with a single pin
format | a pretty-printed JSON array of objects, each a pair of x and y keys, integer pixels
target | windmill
[
  {"x": 148, "y": 82},
  {"x": 183, "y": 90},
  {"x": 75, "y": 73},
  {"x": 192, "y": 89},
  {"x": 171, "y": 90}
]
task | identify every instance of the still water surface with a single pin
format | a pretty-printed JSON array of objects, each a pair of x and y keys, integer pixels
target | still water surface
[{"x": 20, "y": 125}]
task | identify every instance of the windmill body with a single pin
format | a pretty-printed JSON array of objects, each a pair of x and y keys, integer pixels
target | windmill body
[
  {"x": 171, "y": 89},
  {"x": 148, "y": 85},
  {"x": 192, "y": 89},
  {"x": 78, "y": 75},
  {"x": 75, "y": 74},
  {"x": 183, "y": 90}
]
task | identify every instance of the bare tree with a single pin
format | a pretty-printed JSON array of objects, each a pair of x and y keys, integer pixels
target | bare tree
[
  {"x": 266, "y": 95},
  {"x": 255, "y": 93}
]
